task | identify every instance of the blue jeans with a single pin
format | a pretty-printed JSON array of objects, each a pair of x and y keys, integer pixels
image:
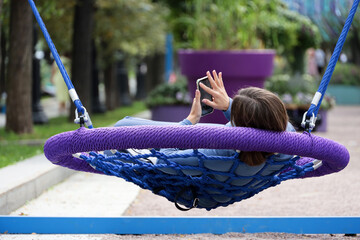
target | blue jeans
[{"x": 134, "y": 121}]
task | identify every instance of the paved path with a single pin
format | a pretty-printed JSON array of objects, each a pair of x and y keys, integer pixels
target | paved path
[
  {"x": 27, "y": 179},
  {"x": 83, "y": 195}
]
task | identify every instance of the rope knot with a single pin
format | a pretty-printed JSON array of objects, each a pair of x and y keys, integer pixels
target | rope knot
[{"x": 276, "y": 180}]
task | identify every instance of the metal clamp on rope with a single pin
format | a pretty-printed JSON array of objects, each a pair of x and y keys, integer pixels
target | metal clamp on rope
[
  {"x": 317, "y": 164},
  {"x": 195, "y": 202},
  {"x": 308, "y": 124},
  {"x": 83, "y": 118},
  {"x": 181, "y": 192}
]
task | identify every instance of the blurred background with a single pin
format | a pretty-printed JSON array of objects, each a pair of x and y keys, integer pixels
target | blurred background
[{"x": 126, "y": 56}]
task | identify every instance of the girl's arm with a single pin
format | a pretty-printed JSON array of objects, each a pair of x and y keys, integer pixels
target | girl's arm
[{"x": 227, "y": 112}]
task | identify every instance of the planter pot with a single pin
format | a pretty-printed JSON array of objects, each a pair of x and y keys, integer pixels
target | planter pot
[
  {"x": 296, "y": 115},
  {"x": 346, "y": 95},
  {"x": 240, "y": 68},
  {"x": 321, "y": 121},
  {"x": 170, "y": 113}
]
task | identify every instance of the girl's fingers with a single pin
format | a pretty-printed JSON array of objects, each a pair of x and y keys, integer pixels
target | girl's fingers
[
  {"x": 221, "y": 80},
  {"x": 197, "y": 95},
  {"x": 211, "y": 80},
  {"x": 207, "y": 89},
  {"x": 216, "y": 78},
  {"x": 209, "y": 103}
]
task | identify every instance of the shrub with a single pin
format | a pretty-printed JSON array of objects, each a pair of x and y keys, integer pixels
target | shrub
[
  {"x": 169, "y": 94},
  {"x": 297, "y": 91},
  {"x": 347, "y": 74}
]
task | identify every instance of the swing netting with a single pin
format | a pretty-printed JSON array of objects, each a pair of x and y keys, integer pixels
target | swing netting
[{"x": 202, "y": 182}]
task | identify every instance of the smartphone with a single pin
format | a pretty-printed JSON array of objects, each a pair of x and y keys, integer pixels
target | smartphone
[{"x": 205, "y": 109}]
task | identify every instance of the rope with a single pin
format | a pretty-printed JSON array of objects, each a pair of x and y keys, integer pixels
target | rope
[
  {"x": 75, "y": 98},
  {"x": 59, "y": 149},
  {"x": 319, "y": 95}
]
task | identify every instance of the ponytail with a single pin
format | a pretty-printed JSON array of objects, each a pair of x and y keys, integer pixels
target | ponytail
[{"x": 258, "y": 108}]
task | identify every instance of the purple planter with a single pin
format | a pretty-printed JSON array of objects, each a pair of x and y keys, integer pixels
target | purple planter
[
  {"x": 321, "y": 121},
  {"x": 240, "y": 68},
  {"x": 174, "y": 113}
]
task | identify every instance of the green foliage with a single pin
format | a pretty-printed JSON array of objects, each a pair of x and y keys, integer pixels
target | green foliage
[
  {"x": 169, "y": 94},
  {"x": 242, "y": 24},
  {"x": 136, "y": 27},
  {"x": 58, "y": 17},
  {"x": 5, "y": 16},
  {"x": 11, "y": 150},
  {"x": 297, "y": 90},
  {"x": 217, "y": 24},
  {"x": 287, "y": 29},
  {"x": 284, "y": 83},
  {"x": 346, "y": 74}
]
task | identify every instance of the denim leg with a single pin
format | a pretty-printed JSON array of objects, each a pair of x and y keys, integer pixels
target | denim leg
[{"x": 134, "y": 121}]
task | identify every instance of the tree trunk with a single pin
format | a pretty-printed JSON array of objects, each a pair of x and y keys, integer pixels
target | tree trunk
[
  {"x": 18, "y": 116},
  {"x": 97, "y": 106},
  {"x": 141, "y": 70},
  {"x": 122, "y": 80},
  {"x": 38, "y": 114},
  {"x": 2, "y": 57},
  {"x": 3, "y": 53},
  {"x": 81, "y": 56},
  {"x": 155, "y": 74},
  {"x": 110, "y": 87}
]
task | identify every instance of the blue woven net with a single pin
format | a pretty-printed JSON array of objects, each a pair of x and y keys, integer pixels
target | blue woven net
[{"x": 198, "y": 184}]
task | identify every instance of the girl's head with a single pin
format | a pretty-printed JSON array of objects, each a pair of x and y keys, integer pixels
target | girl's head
[{"x": 258, "y": 108}]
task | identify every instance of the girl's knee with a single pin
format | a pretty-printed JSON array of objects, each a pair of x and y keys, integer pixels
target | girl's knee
[
  {"x": 132, "y": 121},
  {"x": 126, "y": 121}
]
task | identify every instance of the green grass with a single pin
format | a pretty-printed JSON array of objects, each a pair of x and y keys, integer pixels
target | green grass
[
  {"x": 12, "y": 150},
  {"x": 13, "y": 153}
]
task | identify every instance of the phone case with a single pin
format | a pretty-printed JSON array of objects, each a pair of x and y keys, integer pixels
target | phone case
[{"x": 205, "y": 108}]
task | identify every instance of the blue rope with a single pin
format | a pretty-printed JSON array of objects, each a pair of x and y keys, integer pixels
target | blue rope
[
  {"x": 314, "y": 108},
  {"x": 56, "y": 56}
]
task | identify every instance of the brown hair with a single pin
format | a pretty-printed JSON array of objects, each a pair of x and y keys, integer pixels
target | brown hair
[{"x": 258, "y": 108}]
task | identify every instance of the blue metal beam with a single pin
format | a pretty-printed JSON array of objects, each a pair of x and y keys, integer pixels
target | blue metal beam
[{"x": 178, "y": 225}]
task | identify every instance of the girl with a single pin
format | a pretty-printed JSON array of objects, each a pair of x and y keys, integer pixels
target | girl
[{"x": 251, "y": 107}]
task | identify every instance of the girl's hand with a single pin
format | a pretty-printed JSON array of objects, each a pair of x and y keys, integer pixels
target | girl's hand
[
  {"x": 195, "y": 112},
  {"x": 220, "y": 97}
]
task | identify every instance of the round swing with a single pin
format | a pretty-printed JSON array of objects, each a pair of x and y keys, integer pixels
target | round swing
[{"x": 209, "y": 181}]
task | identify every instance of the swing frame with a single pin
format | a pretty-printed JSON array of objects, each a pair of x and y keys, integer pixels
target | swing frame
[{"x": 178, "y": 225}]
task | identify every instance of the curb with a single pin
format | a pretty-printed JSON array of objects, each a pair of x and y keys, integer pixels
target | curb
[{"x": 29, "y": 179}]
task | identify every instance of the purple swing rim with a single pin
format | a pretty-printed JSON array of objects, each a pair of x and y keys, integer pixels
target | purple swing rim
[{"x": 60, "y": 148}]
